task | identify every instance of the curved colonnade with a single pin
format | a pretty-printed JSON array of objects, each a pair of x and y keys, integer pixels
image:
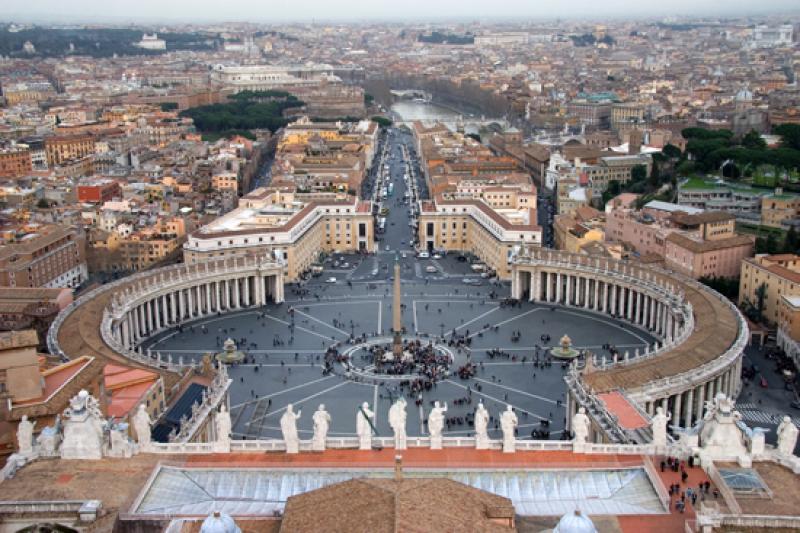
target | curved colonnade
[
  {"x": 702, "y": 335},
  {"x": 112, "y": 321}
]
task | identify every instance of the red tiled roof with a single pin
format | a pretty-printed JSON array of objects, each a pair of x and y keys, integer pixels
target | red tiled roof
[{"x": 619, "y": 406}]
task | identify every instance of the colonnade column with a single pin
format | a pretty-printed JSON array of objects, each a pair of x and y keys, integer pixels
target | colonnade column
[
  {"x": 689, "y": 405},
  {"x": 558, "y": 287},
  {"x": 677, "y": 408}
]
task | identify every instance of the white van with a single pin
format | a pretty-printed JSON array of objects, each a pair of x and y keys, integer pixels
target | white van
[{"x": 423, "y": 255}]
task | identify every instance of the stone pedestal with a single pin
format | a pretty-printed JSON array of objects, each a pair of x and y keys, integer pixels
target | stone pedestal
[
  {"x": 436, "y": 442},
  {"x": 82, "y": 438},
  {"x": 365, "y": 442}
]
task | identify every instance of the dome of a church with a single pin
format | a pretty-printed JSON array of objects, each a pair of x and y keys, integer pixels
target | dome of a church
[
  {"x": 218, "y": 522},
  {"x": 744, "y": 95},
  {"x": 575, "y": 522}
]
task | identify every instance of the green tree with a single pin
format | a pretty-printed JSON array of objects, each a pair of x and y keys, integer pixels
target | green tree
[
  {"x": 383, "y": 122},
  {"x": 753, "y": 141},
  {"x": 638, "y": 173},
  {"x": 791, "y": 242},
  {"x": 672, "y": 152},
  {"x": 761, "y": 295},
  {"x": 614, "y": 189},
  {"x": 790, "y": 135}
]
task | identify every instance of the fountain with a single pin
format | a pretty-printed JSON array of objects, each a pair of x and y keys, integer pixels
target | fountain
[
  {"x": 565, "y": 349},
  {"x": 229, "y": 353}
]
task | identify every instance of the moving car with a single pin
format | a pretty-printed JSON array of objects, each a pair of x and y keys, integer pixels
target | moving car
[
  {"x": 423, "y": 255},
  {"x": 431, "y": 269},
  {"x": 330, "y": 280}
]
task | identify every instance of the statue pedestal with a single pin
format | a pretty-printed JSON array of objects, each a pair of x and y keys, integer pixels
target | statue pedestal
[
  {"x": 318, "y": 445},
  {"x": 82, "y": 438},
  {"x": 399, "y": 443},
  {"x": 365, "y": 442},
  {"x": 509, "y": 445},
  {"x": 293, "y": 446},
  {"x": 436, "y": 442},
  {"x": 481, "y": 443}
]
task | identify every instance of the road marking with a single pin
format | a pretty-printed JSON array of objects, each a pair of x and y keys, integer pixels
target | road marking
[
  {"x": 299, "y": 402},
  {"x": 274, "y": 394},
  {"x": 516, "y": 391},
  {"x": 498, "y": 400},
  {"x": 315, "y": 319},
  {"x": 465, "y": 324},
  {"x": 504, "y": 322}
]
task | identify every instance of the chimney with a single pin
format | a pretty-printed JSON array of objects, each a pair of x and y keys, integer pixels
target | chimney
[{"x": 398, "y": 467}]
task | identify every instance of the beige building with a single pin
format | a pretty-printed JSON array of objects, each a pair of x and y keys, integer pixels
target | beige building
[
  {"x": 473, "y": 225},
  {"x": 574, "y": 231},
  {"x": 779, "y": 207},
  {"x": 54, "y": 256},
  {"x": 780, "y": 276},
  {"x": 295, "y": 227}
]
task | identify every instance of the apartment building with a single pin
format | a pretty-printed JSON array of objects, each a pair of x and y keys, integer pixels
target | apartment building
[
  {"x": 53, "y": 256},
  {"x": 293, "y": 226},
  {"x": 472, "y": 225},
  {"x": 779, "y": 208},
  {"x": 62, "y": 148},
  {"x": 15, "y": 162},
  {"x": 98, "y": 191},
  {"x": 778, "y": 274}
]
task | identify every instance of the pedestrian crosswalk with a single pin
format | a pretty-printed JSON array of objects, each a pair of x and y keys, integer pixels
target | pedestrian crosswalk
[{"x": 752, "y": 414}]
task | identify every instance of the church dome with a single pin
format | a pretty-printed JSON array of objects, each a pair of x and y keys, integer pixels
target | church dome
[
  {"x": 744, "y": 95},
  {"x": 218, "y": 522},
  {"x": 575, "y": 522}
]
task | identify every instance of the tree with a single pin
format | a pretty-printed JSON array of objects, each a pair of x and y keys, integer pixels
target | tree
[
  {"x": 383, "y": 122},
  {"x": 672, "y": 152},
  {"x": 614, "y": 189},
  {"x": 761, "y": 295},
  {"x": 42, "y": 203},
  {"x": 638, "y": 173},
  {"x": 791, "y": 242},
  {"x": 753, "y": 141},
  {"x": 790, "y": 135}
]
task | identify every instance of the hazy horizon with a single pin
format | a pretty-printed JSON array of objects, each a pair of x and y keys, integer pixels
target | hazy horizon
[{"x": 176, "y": 11}]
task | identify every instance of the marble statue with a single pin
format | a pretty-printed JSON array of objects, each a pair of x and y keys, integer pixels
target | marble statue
[
  {"x": 721, "y": 438},
  {"x": 397, "y": 421},
  {"x": 436, "y": 425},
  {"x": 222, "y": 421},
  {"x": 580, "y": 429},
  {"x": 141, "y": 424},
  {"x": 289, "y": 429},
  {"x": 120, "y": 444},
  {"x": 659, "y": 427},
  {"x": 50, "y": 438},
  {"x": 757, "y": 438},
  {"x": 364, "y": 419},
  {"x": 84, "y": 428},
  {"x": 322, "y": 422},
  {"x": 25, "y": 436},
  {"x": 508, "y": 423},
  {"x": 787, "y": 436},
  {"x": 481, "y": 427}
]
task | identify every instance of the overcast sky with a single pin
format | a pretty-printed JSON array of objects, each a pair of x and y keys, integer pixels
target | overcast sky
[{"x": 306, "y": 10}]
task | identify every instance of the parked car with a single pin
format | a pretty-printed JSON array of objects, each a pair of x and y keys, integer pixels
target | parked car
[
  {"x": 423, "y": 255},
  {"x": 431, "y": 269},
  {"x": 330, "y": 280}
]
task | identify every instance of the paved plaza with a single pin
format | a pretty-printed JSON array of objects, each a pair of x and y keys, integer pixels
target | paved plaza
[{"x": 285, "y": 344}]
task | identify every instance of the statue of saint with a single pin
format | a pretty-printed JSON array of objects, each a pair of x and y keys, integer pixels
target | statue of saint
[
  {"x": 436, "y": 425},
  {"x": 322, "y": 422},
  {"x": 787, "y": 436},
  {"x": 580, "y": 426},
  {"x": 659, "y": 427},
  {"x": 364, "y": 426},
  {"x": 25, "y": 436},
  {"x": 508, "y": 423},
  {"x": 397, "y": 420},
  {"x": 481, "y": 427},
  {"x": 141, "y": 424},
  {"x": 289, "y": 429}
]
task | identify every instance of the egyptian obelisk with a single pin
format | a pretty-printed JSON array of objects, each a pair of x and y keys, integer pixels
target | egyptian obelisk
[{"x": 397, "y": 319}]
